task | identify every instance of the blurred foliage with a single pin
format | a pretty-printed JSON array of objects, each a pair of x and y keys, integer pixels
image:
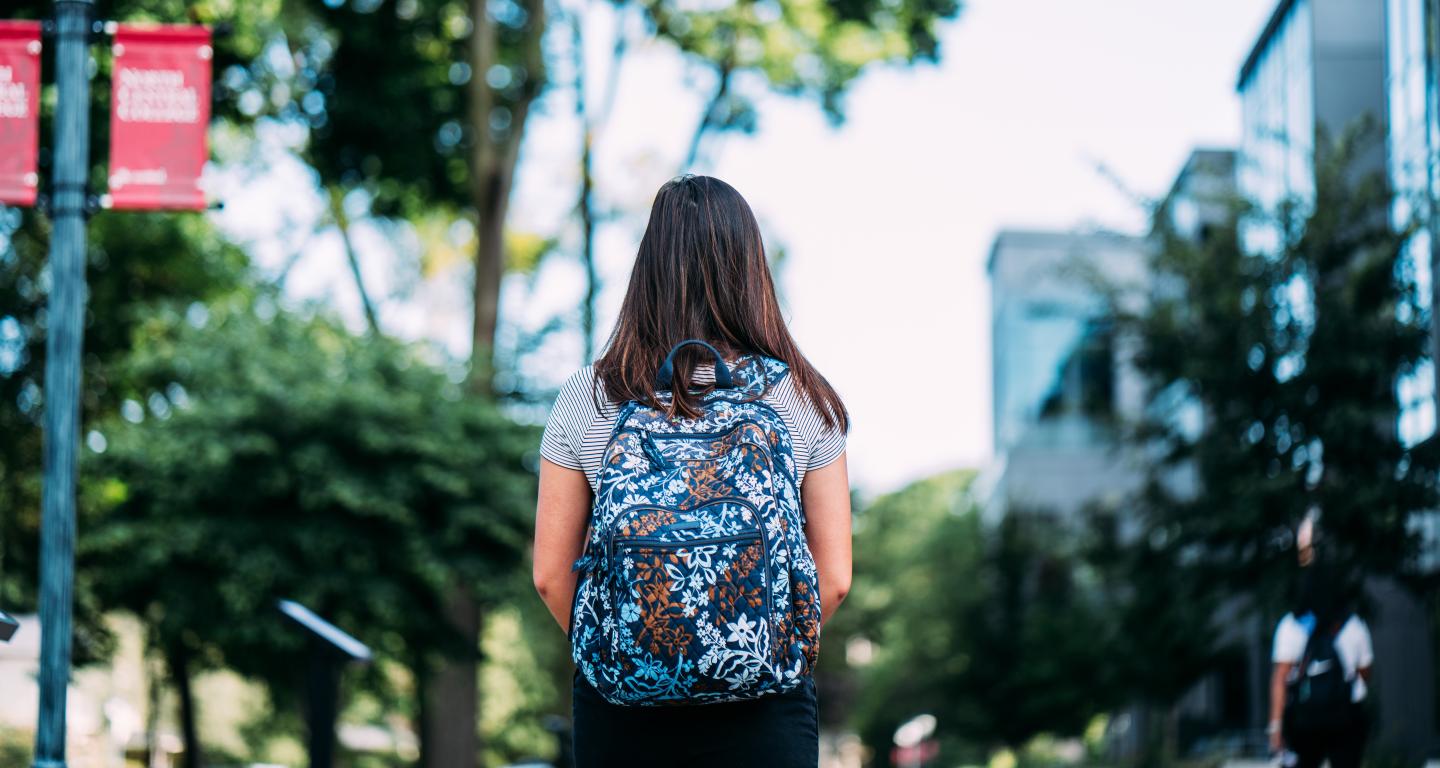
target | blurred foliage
[
  {"x": 15, "y": 747},
  {"x": 524, "y": 681},
  {"x": 1276, "y": 380},
  {"x": 386, "y": 86},
  {"x": 259, "y": 455},
  {"x": 998, "y": 630},
  {"x": 385, "y": 89},
  {"x": 135, "y": 263},
  {"x": 804, "y": 48}
]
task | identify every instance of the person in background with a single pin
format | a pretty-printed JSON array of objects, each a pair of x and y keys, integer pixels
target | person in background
[{"x": 1322, "y": 658}]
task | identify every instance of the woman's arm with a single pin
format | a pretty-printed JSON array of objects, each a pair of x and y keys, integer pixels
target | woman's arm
[
  {"x": 826, "y": 496},
  {"x": 562, "y": 512},
  {"x": 1277, "y": 703}
]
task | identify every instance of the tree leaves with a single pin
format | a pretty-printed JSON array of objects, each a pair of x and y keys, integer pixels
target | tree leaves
[{"x": 302, "y": 463}]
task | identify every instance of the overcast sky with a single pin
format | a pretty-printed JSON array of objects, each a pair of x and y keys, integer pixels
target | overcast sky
[{"x": 886, "y": 220}]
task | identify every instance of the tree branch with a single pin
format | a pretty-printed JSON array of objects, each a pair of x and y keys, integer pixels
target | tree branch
[
  {"x": 342, "y": 223},
  {"x": 707, "y": 120}
]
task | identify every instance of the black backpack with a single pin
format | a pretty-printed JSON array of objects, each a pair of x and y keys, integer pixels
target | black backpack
[{"x": 1318, "y": 694}]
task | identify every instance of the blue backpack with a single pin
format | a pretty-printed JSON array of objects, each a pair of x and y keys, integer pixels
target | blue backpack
[{"x": 697, "y": 584}]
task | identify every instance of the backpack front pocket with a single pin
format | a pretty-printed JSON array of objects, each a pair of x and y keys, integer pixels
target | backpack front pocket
[{"x": 697, "y": 609}]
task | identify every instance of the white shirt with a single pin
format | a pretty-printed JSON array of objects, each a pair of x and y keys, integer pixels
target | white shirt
[{"x": 1352, "y": 645}]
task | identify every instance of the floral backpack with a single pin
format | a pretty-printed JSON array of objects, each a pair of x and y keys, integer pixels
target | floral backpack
[{"x": 696, "y": 584}]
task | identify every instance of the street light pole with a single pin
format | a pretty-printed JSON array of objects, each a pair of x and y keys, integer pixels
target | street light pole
[{"x": 65, "y": 316}]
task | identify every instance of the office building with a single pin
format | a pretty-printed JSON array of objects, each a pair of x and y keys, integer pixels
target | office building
[
  {"x": 1317, "y": 69},
  {"x": 1414, "y": 143},
  {"x": 1060, "y": 379}
]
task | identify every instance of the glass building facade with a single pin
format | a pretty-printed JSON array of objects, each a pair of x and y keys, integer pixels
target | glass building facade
[
  {"x": 1037, "y": 372},
  {"x": 1053, "y": 349},
  {"x": 1277, "y": 103},
  {"x": 1414, "y": 133}
]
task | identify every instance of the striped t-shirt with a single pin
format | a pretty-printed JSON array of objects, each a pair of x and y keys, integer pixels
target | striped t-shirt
[{"x": 576, "y": 432}]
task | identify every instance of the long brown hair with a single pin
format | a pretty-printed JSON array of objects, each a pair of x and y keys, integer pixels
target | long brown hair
[{"x": 701, "y": 273}]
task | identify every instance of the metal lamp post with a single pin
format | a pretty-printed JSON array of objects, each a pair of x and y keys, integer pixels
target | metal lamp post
[{"x": 63, "y": 337}]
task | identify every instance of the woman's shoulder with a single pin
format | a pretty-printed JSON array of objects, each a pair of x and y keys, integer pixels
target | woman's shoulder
[{"x": 583, "y": 391}]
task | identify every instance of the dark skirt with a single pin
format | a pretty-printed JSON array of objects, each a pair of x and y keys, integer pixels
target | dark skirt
[{"x": 777, "y": 731}]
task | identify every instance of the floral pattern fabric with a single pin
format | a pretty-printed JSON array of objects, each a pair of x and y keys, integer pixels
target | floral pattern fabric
[{"x": 697, "y": 584}]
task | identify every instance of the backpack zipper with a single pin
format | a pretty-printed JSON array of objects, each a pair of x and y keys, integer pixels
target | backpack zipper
[{"x": 610, "y": 535}]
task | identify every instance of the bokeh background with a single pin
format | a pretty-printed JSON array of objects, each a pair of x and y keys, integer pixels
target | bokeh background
[{"x": 1118, "y": 292}]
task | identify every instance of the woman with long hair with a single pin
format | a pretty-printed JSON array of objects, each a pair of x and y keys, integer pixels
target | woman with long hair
[{"x": 693, "y": 522}]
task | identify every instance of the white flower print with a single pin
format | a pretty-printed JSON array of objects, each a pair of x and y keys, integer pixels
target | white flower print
[
  {"x": 699, "y": 557},
  {"x": 742, "y": 630}
]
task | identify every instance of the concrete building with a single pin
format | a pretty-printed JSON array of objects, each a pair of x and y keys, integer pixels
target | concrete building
[
  {"x": 1061, "y": 381},
  {"x": 1064, "y": 385},
  {"x": 1203, "y": 191}
]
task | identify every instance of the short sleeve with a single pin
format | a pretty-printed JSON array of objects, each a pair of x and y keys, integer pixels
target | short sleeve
[
  {"x": 1290, "y": 640},
  {"x": 829, "y": 444},
  {"x": 570, "y": 417},
  {"x": 1364, "y": 646}
]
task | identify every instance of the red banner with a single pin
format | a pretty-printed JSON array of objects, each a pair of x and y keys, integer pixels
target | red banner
[
  {"x": 19, "y": 110},
  {"x": 159, "y": 110}
]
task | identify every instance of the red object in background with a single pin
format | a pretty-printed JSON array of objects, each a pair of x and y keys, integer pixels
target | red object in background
[
  {"x": 19, "y": 110},
  {"x": 159, "y": 112}
]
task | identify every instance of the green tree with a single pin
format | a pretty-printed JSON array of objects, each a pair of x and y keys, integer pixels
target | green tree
[
  {"x": 995, "y": 629},
  {"x": 266, "y": 457},
  {"x": 135, "y": 263}
]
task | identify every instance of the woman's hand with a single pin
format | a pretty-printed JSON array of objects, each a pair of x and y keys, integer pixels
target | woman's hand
[
  {"x": 825, "y": 493},
  {"x": 562, "y": 512}
]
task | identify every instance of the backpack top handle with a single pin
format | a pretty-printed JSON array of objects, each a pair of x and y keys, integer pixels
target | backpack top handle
[{"x": 665, "y": 377}]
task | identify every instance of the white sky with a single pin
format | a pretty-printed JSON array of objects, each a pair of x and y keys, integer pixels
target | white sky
[{"x": 886, "y": 220}]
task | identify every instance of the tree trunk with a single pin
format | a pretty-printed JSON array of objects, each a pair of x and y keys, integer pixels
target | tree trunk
[
  {"x": 154, "y": 685},
  {"x": 449, "y": 708},
  {"x": 493, "y": 157},
  {"x": 178, "y": 658},
  {"x": 723, "y": 71},
  {"x": 449, "y": 731}
]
